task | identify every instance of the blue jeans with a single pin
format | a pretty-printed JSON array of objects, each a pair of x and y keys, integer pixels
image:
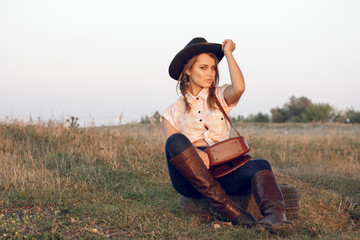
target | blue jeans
[{"x": 234, "y": 183}]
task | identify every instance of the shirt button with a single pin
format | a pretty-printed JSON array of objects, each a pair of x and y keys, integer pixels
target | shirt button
[
  {"x": 222, "y": 118},
  {"x": 197, "y": 98},
  {"x": 199, "y": 111},
  {"x": 200, "y": 120}
]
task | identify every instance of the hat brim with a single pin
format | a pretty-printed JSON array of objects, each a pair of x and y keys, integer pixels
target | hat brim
[{"x": 177, "y": 64}]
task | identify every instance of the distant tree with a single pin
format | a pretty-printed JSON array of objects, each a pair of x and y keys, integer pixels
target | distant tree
[
  {"x": 320, "y": 112},
  {"x": 303, "y": 110},
  {"x": 278, "y": 115},
  {"x": 260, "y": 117},
  {"x": 291, "y": 110},
  {"x": 295, "y": 107},
  {"x": 339, "y": 117},
  {"x": 352, "y": 116},
  {"x": 145, "y": 120},
  {"x": 155, "y": 119},
  {"x": 239, "y": 118}
]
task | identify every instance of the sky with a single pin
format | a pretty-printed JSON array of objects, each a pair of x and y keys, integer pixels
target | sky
[{"x": 102, "y": 60}]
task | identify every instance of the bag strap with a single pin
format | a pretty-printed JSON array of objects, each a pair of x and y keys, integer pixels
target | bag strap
[{"x": 224, "y": 113}]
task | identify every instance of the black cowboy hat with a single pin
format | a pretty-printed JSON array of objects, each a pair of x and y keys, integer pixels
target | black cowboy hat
[{"x": 194, "y": 47}]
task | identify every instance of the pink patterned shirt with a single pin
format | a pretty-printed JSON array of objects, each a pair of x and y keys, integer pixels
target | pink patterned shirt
[{"x": 201, "y": 122}]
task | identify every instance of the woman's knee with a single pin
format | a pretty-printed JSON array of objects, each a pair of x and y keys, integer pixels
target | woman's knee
[
  {"x": 262, "y": 164},
  {"x": 258, "y": 164},
  {"x": 176, "y": 144}
]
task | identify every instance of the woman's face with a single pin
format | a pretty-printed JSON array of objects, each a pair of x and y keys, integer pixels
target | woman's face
[{"x": 202, "y": 73}]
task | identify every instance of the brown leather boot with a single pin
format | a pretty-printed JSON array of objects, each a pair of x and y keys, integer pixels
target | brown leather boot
[
  {"x": 271, "y": 203},
  {"x": 190, "y": 165}
]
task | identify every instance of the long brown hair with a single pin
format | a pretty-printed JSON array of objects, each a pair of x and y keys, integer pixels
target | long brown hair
[{"x": 184, "y": 81}]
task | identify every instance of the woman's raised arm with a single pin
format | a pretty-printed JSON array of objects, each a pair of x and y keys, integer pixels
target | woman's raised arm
[{"x": 233, "y": 93}]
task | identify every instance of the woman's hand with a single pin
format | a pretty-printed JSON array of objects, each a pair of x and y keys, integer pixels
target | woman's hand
[
  {"x": 228, "y": 46},
  {"x": 204, "y": 157}
]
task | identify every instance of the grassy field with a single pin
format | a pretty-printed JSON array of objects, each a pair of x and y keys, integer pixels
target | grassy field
[{"x": 112, "y": 182}]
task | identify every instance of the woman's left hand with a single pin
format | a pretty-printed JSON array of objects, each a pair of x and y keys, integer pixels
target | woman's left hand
[{"x": 228, "y": 46}]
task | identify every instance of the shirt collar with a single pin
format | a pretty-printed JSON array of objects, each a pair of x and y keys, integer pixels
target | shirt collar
[{"x": 203, "y": 94}]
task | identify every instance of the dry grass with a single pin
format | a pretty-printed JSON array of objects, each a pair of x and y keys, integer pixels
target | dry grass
[
  {"x": 328, "y": 148},
  {"x": 80, "y": 179},
  {"x": 38, "y": 156}
]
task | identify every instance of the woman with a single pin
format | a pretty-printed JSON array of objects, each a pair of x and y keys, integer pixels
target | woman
[{"x": 194, "y": 122}]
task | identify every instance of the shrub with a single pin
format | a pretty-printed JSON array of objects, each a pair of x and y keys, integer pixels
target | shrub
[
  {"x": 145, "y": 120},
  {"x": 239, "y": 118},
  {"x": 352, "y": 116},
  {"x": 260, "y": 117},
  {"x": 296, "y": 107},
  {"x": 291, "y": 110},
  {"x": 278, "y": 115},
  {"x": 73, "y": 122},
  {"x": 320, "y": 112}
]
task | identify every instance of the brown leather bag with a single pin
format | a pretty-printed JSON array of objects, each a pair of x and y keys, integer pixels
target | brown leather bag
[{"x": 228, "y": 155}]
